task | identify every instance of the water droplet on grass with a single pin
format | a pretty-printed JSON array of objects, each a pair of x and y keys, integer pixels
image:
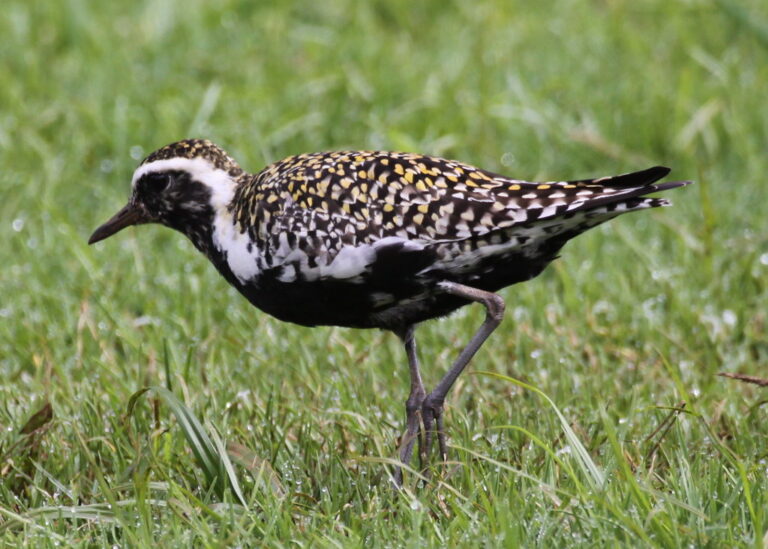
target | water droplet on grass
[
  {"x": 729, "y": 317},
  {"x": 137, "y": 152}
]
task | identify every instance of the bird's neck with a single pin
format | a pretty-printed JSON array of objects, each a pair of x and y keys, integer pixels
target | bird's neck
[{"x": 204, "y": 233}]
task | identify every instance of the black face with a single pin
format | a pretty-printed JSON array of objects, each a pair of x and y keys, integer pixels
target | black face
[{"x": 172, "y": 198}]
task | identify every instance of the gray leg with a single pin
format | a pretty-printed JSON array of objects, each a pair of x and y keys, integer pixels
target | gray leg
[
  {"x": 432, "y": 405},
  {"x": 412, "y": 405}
]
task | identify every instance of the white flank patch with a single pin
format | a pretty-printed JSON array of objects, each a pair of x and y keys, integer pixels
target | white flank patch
[
  {"x": 243, "y": 264},
  {"x": 350, "y": 262},
  {"x": 409, "y": 245}
]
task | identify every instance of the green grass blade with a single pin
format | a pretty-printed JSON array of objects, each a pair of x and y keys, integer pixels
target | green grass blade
[
  {"x": 592, "y": 472},
  {"x": 211, "y": 457}
]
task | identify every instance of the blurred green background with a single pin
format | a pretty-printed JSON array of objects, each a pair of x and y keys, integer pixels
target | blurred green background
[{"x": 637, "y": 317}]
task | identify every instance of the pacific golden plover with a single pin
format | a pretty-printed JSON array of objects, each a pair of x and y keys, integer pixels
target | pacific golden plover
[{"x": 374, "y": 239}]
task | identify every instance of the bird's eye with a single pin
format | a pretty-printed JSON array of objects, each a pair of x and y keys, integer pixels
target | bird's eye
[{"x": 156, "y": 182}]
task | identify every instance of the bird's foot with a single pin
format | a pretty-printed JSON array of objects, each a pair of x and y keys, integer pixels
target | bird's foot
[
  {"x": 424, "y": 425},
  {"x": 413, "y": 432},
  {"x": 432, "y": 419}
]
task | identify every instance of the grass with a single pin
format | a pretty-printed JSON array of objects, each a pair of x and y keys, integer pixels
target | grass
[{"x": 601, "y": 420}]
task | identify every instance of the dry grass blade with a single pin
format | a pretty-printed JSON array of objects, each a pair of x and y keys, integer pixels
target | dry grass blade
[
  {"x": 664, "y": 428},
  {"x": 762, "y": 382},
  {"x": 257, "y": 466},
  {"x": 38, "y": 420}
]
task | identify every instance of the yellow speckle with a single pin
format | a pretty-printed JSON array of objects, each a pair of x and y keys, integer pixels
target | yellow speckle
[
  {"x": 383, "y": 178},
  {"x": 474, "y": 175},
  {"x": 363, "y": 213},
  {"x": 399, "y": 169},
  {"x": 451, "y": 177},
  {"x": 322, "y": 186},
  {"x": 470, "y": 183},
  {"x": 543, "y": 187},
  {"x": 388, "y": 207},
  {"x": 423, "y": 168},
  {"x": 420, "y": 185},
  {"x": 409, "y": 176},
  {"x": 514, "y": 187},
  {"x": 346, "y": 182},
  {"x": 359, "y": 158},
  {"x": 310, "y": 200},
  {"x": 418, "y": 219},
  {"x": 569, "y": 186},
  {"x": 385, "y": 161},
  {"x": 272, "y": 198},
  {"x": 362, "y": 174},
  {"x": 345, "y": 207},
  {"x": 423, "y": 208}
]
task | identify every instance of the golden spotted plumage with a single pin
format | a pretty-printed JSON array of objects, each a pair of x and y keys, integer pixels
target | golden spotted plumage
[{"x": 401, "y": 194}]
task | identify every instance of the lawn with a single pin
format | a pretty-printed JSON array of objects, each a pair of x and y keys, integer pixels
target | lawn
[{"x": 593, "y": 417}]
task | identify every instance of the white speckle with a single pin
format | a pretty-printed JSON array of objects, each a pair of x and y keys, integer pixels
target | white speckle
[
  {"x": 536, "y": 353},
  {"x": 764, "y": 259},
  {"x": 548, "y": 211},
  {"x": 288, "y": 274},
  {"x": 17, "y": 224}
]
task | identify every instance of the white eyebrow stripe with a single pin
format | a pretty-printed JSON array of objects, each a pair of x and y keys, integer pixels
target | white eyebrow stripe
[{"x": 196, "y": 167}]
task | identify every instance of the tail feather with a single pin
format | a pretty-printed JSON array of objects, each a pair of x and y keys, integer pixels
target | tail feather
[
  {"x": 632, "y": 179},
  {"x": 626, "y": 195}
]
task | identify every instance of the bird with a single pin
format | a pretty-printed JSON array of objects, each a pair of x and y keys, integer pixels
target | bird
[{"x": 375, "y": 239}]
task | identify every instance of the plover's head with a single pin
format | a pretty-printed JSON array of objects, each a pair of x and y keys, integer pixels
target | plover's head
[{"x": 182, "y": 185}]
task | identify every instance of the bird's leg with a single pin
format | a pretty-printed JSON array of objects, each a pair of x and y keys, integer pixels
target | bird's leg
[
  {"x": 432, "y": 405},
  {"x": 412, "y": 405}
]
